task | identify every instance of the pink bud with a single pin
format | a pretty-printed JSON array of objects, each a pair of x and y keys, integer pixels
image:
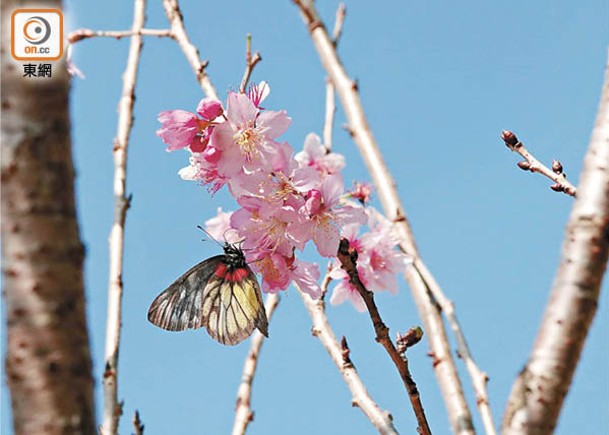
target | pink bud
[{"x": 209, "y": 109}]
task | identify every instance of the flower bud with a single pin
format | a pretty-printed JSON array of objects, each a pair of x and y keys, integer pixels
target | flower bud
[
  {"x": 524, "y": 165},
  {"x": 557, "y": 187},
  {"x": 556, "y": 167},
  {"x": 509, "y": 138}
]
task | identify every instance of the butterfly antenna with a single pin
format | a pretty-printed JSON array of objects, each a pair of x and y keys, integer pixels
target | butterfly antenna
[{"x": 209, "y": 235}]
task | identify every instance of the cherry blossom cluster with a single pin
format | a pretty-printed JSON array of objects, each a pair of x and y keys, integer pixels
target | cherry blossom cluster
[{"x": 286, "y": 200}]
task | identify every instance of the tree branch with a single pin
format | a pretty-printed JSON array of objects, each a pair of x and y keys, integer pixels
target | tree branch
[
  {"x": 81, "y": 34},
  {"x": 330, "y": 98},
  {"x": 539, "y": 391},
  {"x": 250, "y": 64},
  {"x": 532, "y": 164},
  {"x": 138, "y": 426},
  {"x": 243, "y": 412},
  {"x": 348, "y": 260},
  {"x": 444, "y": 365},
  {"x": 382, "y": 420},
  {"x": 112, "y": 408},
  {"x": 478, "y": 377},
  {"x": 174, "y": 15}
]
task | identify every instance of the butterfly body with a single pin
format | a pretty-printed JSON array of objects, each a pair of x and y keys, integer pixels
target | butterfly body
[{"x": 220, "y": 293}]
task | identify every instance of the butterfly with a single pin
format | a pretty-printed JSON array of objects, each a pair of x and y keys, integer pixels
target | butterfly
[{"x": 220, "y": 293}]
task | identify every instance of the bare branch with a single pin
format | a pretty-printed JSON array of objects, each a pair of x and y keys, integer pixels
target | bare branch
[
  {"x": 348, "y": 260},
  {"x": 174, "y": 15},
  {"x": 478, "y": 377},
  {"x": 81, "y": 34},
  {"x": 532, "y": 164},
  {"x": 138, "y": 426},
  {"x": 341, "y": 11},
  {"x": 112, "y": 408},
  {"x": 330, "y": 112},
  {"x": 330, "y": 98},
  {"x": 446, "y": 371},
  {"x": 250, "y": 64},
  {"x": 340, "y": 355},
  {"x": 243, "y": 412},
  {"x": 539, "y": 391}
]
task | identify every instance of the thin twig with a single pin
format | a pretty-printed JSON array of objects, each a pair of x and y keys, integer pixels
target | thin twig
[
  {"x": 330, "y": 112},
  {"x": 81, "y": 34},
  {"x": 330, "y": 98},
  {"x": 444, "y": 364},
  {"x": 138, "y": 426},
  {"x": 348, "y": 260},
  {"x": 243, "y": 411},
  {"x": 174, "y": 15},
  {"x": 341, "y": 11},
  {"x": 539, "y": 391},
  {"x": 112, "y": 408},
  {"x": 250, "y": 64},
  {"x": 340, "y": 355},
  {"x": 478, "y": 377},
  {"x": 530, "y": 163}
]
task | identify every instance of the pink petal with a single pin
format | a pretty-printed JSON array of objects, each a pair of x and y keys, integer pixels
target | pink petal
[
  {"x": 209, "y": 109},
  {"x": 306, "y": 276},
  {"x": 240, "y": 109},
  {"x": 326, "y": 238},
  {"x": 275, "y": 123}
]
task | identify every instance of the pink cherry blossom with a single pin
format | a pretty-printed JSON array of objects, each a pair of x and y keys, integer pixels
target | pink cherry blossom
[
  {"x": 278, "y": 272},
  {"x": 286, "y": 186},
  {"x": 275, "y": 272},
  {"x": 258, "y": 93},
  {"x": 220, "y": 229},
  {"x": 269, "y": 228},
  {"x": 204, "y": 168},
  {"x": 345, "y": 291},
  {"x": 178, "y": 129},
  {"x": 327, "y": 214},
  {"x": 361, "y": 192},
  {"x": 306, "y": 276},
  {"x": 285, "y": 200},
  {"x": 209, "y": 109},
  {"x": 246, "y": 139},
  {"x": 318, "y": 157},
  {"x": 380, "y": 259}
]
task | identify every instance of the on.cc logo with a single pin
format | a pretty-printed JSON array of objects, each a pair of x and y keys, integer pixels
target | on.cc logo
[
  {"x": 37, "y": 34},
  {"x": 36, "y": 30}
]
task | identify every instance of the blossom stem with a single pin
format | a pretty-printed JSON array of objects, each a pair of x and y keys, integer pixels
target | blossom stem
[
  {"x": 250, "y": 64},
  {"x": 348, "y": 259}
]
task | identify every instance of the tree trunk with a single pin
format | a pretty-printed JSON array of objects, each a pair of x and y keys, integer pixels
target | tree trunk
[
  {"x": 538, "y": 393},
  {"x": 48, "y": 364}
]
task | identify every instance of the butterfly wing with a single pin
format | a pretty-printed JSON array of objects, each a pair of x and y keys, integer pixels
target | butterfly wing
[
  {"x": 233, "y": 307},
  {"x": 228, "y": 304},
  {"x": 179, "y": 307}
]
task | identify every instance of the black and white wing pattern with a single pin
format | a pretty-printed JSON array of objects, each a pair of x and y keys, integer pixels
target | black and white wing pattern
[
  {"x": 220, "y": 293},
  {"x": 179, "y": 307}
]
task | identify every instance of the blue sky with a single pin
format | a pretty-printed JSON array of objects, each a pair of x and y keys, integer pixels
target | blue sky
[{"x": 439, "y": 81}]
